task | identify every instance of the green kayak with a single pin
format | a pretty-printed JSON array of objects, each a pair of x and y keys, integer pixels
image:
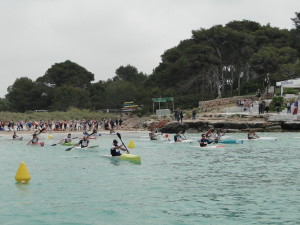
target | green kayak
[{"x": 68, "y": 144}]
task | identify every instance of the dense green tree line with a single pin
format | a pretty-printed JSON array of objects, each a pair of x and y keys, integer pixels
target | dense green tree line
[{"x": 221, "y": 61}]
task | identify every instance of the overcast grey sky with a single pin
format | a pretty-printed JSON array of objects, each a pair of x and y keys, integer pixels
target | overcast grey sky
[{"x": 102, "y": 35}]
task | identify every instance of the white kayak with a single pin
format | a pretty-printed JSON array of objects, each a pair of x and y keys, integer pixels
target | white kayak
[
  {"x": 183, "y": 141},
  {"x": 261, "y": 139},
  {"x": 87, "y": 148},
  {"x": 225, "y": 137},
  {"x": 210, "y": 146}
]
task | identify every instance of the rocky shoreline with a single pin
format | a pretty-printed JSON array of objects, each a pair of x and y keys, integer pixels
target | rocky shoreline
[
  {"x": 231, "y": 127},
  {"x": 231, "y": 123}
]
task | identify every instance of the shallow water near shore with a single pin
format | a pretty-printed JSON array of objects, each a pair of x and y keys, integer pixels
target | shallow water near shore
[{"x": 251, "y": 183}]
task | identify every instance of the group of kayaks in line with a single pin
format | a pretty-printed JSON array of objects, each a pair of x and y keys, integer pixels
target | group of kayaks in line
[
  {"x": 209, "y": 137},
  {"x": 84, "y": 144}
]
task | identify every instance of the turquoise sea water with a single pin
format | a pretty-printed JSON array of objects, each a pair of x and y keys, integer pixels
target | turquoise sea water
[{"x": 250, "y": 183}]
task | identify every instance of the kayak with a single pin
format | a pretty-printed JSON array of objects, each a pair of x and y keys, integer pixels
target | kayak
[
  {"x": 129, "y": 157},
  {"x": 92, "y": 134},
  {"x": 231, "y": 141},
  {"x": 18, "y": 139},
  {"x": 261, "y": 139},
  {"x": 68, "y": 144},
  {"x": 96, "y": 135},
  {"x": 213, "y": 146},
  {"x": 90, "y": 138},
  {"x": 38, "y": 144},
  {"x": 210, "y": 146},
  {"x": 85, "y": 148},
  {"x": 183, "y": 141}
]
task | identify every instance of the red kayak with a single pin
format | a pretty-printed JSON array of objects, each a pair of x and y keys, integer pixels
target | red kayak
[
  {"x": 39, "y": 143},
  {"x": 90, "y": 138}
]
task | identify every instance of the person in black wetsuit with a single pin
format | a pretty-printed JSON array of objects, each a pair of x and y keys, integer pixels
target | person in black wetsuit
[
  {"x": 16, "y": 137},
  {"x": 252, "y": 135},
  {"x": 84, "y": 142},
  {"x": 115, "y": 148},
  {"x": 204, "y": 141},
  {"x": 178, "y": 137}
]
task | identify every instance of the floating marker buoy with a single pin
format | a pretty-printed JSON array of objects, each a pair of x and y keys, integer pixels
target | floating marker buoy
[
  {"x": 22, "y": 175},
  {"x": 50, "y": 136},
  {"x": 167, "y": 135},
  {"x": 131, "y": 144}
]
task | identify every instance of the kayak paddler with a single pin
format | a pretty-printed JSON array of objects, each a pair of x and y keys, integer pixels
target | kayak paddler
[
  {"x": 178, "y": 137},
  {"x": 204, "y": 141},
  {"x": 84, "y": 142},
  {"x": 115, "y": 148},
  {"x": 67, "y": 139},
  {"x": 152, "y": 135},
  {"x": 34, "y": 140},
  {"x": 252, "y": 135},
  {"x": 16, "y": 137}
]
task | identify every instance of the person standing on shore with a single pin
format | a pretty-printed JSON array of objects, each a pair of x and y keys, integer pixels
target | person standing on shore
[
  {"x": 277, "y": 106},
  {"x": 260, "y": 107},
  {"x": 295, "y": 111},
  {"x": 258, "y": 94},
  {"x": 194, "y": 114},
  {"x": 267, "y": 107},
  {"x": 176, "y": 114},
  {"x": 120, "y": 122},
  {"x": 288, "y": 107},
  {"x": 181, "y": 115}
]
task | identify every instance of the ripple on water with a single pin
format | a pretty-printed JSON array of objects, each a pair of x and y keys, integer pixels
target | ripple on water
[{"x": 250, "y": 183}]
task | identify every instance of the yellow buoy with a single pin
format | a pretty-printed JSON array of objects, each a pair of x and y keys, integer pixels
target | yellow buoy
[
  {"x": 131, "y": 144},
  {"x": 50, "y": 136},
  {"x": 23, "y": 175}
]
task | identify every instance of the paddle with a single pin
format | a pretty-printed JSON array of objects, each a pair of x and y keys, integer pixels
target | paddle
[
  {"x": 119, "y": 136},
  {"x": 41, "y": 131},
  {"x": 60, "y": 141},
  {"x": 69, "y": 149},
  {"x": 30, "y": 142}
]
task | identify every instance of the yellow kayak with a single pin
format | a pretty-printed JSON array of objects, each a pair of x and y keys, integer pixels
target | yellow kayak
[{"x": 129, "y": 157}]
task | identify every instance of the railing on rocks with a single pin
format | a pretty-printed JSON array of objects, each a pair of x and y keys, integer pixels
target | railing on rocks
[{"x": 226, "y": 101}]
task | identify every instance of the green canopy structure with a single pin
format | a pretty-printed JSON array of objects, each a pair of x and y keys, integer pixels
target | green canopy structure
[{"x": 163, "y": 100}]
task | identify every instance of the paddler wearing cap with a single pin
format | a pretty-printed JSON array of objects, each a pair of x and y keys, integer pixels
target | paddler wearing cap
[{"x": 115, "y": 148}]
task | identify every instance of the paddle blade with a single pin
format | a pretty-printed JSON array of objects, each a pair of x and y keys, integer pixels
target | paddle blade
[
  {"x": 68, "y": 149},
  {"x": 53, "y": 144},
  {"x": 119, "y": 135}
]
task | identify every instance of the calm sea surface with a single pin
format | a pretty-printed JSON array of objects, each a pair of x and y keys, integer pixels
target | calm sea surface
[{"x": 250, "y": 183}]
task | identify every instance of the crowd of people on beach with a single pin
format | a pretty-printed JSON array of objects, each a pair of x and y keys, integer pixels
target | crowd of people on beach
[{"x": 72, "y": 125}]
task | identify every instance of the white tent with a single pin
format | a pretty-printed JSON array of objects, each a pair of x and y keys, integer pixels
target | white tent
[{"x": 294, "y": 83}]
